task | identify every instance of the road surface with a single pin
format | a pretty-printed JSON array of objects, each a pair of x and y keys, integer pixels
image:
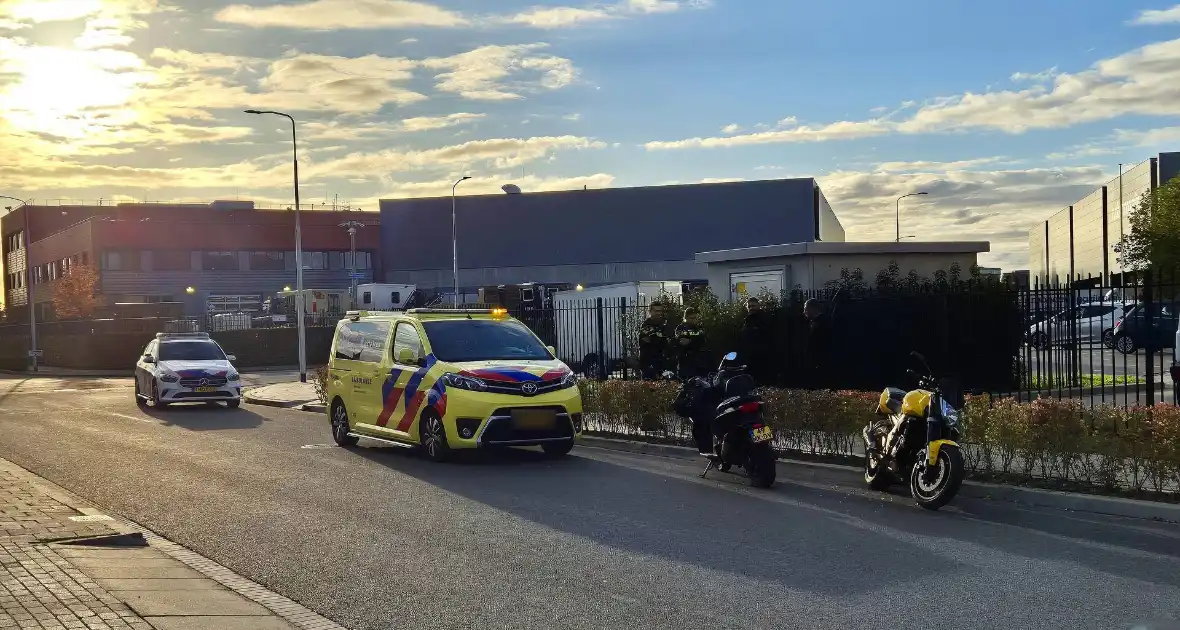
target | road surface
[{"x": 379, "y": 538}]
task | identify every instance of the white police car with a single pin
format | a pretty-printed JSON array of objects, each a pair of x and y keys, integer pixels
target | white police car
[{"x": 186, "y": 367}]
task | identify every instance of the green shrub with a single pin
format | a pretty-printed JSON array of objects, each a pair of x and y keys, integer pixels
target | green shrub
[{"x": 1107, "y": 448}]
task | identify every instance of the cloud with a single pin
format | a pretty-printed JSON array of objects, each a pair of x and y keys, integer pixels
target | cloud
[
  {"x": 1144, "y": 81},
  {"x": 966, "y": 201},
  {"x": 39, "y": 11},
  {"x": 1035, "y": 77},
  {"x": 731, "y": 128},
  {"x": 343, "y": 14},
  {"x": 481, "y": 74},
  {"x": 549, "y": 17},
  {"x": 1158, "y": 16},
  {"x": 490, "y": 185},
  {"x": 1120, "y": 141},
  {"x": 497, "y": 153},
  {"x": 426, "y": 123}
]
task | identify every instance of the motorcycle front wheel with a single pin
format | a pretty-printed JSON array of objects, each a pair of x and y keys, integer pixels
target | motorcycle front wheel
[
  {"x": 761, "y": 467},
  {"x": 945, "y": 485}
]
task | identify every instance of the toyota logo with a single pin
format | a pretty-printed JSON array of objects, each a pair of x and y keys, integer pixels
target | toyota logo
[
  {"x": 528, "y": 389},
  {"x": 204, "y": 381}
]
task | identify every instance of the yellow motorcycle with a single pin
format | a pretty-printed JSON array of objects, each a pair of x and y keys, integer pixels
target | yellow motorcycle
[{"x": 917, "y": 438}]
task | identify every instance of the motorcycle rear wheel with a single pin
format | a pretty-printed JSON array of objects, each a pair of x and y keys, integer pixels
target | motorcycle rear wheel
[
  {"x": 761, "y": 467},
  {"x": 946, "y": 483},
  {"x": 877, "y": 477}
]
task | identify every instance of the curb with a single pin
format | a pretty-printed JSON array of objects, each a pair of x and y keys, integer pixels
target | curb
[
  {"x": 314, "y": 407},
  {"x": 281, "y": 607},
  {"x": 807, "y": 471},
  {"x": 266, "y": 402}
]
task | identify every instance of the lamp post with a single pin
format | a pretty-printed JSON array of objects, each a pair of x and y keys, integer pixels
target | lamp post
[
  {"x": 455, "y": 238},
  {"x": 300, "y": 324},
  {"x": 352, "y": 227},
  {"x": 897, "y": 218},
  {"x": 29, "y": 285}
]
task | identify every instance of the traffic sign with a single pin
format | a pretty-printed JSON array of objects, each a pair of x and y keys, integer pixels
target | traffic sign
[
  {"x": 357, "y": 276},
  {"x": 36, "y": 353}
]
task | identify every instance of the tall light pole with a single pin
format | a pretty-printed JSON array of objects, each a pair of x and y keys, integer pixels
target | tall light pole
[
  {"x": 300, "y": 324},
  {"x": 897, "y": 210},
  {"x": 455, "y": 238},
  {"x": 352, "y": 227},
  {"x": 29, "y": 285}
]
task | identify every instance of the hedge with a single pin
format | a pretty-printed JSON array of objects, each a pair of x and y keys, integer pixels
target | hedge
[{"x": 1048, "y": 442}]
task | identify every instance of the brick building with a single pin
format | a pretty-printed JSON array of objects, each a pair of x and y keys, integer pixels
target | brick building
[{"x": 233, "y": 255}]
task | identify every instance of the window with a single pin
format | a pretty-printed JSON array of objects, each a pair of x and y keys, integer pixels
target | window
[
  {"x": 53, "y": 272},
  {"x": 191, "y": 351},
  {"x": 38, "y": 274},
  {"x": 484, "y": 340},
  {"x": 367, "y": 297},
  {"x": 315, "y": 260},
  {"x": 219, "y": 261},
  {"x": 120, "y": 260},
  {"x": 406, "y": 338},
  {"x": 395, "y": 297},
  {"x": 172, "y": 260},
  {"x": 267, "y": 261},
  {"x": 12, "y": 242},
  {"x": 361, "y": 341}
]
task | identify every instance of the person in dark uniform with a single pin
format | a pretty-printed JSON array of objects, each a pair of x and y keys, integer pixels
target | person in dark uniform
[
  {"x": 654, "y": 341},
  {"x": 819, "y": 345},
  {"x": 758, "y": 344},
  {"x": 691, "y": 348}
]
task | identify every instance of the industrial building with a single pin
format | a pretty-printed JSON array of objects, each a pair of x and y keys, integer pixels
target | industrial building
[
  {"x": 1080, "y": 240},
  {"x": 225, "y": 256},
  {"x": 594, "y": 237}
]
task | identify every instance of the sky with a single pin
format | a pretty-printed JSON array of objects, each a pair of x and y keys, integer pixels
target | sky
[{"x": 1004, "y": 112}]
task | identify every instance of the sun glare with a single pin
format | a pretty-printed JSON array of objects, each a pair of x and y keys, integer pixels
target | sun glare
[
  {"x": 53, "y": 10},
  {"x": 68, "y": 93}
]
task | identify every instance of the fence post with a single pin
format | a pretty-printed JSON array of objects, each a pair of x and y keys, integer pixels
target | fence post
[
  {"x": 624, "y": 338},
  {"x": 601, "y": 340},
  {"x": 1150, "y": 334}
]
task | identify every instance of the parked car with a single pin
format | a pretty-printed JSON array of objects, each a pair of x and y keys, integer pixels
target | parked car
[
  {"x": 1132, "y": 332},
  {"x": 184, "y": 368},
  {"x": 1085, "y": 323}
]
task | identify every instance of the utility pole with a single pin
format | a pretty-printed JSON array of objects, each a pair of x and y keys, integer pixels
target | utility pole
[{"x": 352, "y": 227}]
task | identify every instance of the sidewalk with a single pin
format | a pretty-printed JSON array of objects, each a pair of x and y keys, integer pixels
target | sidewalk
[
  {"x": 285, "y": 395},
  {"x": 64, "y": 565}
]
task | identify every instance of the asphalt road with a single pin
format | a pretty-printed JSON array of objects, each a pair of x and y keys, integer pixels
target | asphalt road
[{"x": 380, "y": 538}]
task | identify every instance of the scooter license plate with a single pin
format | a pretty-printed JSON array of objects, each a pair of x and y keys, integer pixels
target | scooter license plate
[{"x": 761, "y": 434}]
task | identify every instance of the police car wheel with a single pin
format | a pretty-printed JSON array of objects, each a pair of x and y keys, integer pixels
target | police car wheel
[
  {"x": 340, "y": 427},
  {"x": 156, "y": 402},
  {"x": 139, "y": 399},
  {"x": 433, "y": 437}
]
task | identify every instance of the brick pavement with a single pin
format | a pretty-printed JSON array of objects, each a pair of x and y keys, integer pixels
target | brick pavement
[
  {"x": 48, "y": 584},
  {"x": 38, "y": 587}
]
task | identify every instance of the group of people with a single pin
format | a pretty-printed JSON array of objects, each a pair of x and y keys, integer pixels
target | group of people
[{"x": 684, "y": 349}]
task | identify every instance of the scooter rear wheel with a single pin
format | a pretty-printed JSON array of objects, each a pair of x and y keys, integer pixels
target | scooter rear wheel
[{"x": 761, "y": 467}]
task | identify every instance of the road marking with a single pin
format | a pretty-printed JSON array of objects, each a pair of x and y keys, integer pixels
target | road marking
[
  {"x": 318, "y": 446},
  {"x": 129, "y": 417},
  {"x": 91, "y": 518}
]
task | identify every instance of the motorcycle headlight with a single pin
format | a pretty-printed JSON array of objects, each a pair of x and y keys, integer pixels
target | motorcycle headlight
[
  {"x": 464, "y": 382},
  {"x": 949, "y": 413}
]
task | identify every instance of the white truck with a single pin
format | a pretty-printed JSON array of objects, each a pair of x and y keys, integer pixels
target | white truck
[
  {"x": 376, "y": 296},
  {"x": 624, "y": 307}
]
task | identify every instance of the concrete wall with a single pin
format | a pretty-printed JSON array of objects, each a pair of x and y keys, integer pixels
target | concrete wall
[
  {"x": 830, "y": 230},
  {"x": 811, "y": 272},
  {"x": 612, "y": 235},
  {"x": 1060, "y": 264},
  {"x": 1038, "y": 267}
]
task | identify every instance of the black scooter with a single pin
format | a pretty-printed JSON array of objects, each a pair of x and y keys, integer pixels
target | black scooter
[{"x": 727, "y": 406}]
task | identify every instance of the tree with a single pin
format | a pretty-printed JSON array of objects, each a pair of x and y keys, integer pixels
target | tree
[
  {"x": 74, "y": 296},
  {"x": 1154, "y": 240}
]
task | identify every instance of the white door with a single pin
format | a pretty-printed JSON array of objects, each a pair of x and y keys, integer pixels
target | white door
[{"x": 751, "y": 284}]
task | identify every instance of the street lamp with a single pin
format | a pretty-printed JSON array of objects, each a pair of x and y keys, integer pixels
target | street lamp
[
  {"x": 897, "y": 211},
  {"x": 300, "y": 324},
  {"x": 455, "y": 238},
  {"x": 190, "y": 290},
  {"x": 352, "y": 227},
  {"x": 29, "y": 285}
]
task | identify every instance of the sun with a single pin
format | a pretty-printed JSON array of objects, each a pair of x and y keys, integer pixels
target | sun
[{"x": 67, "y": 93}]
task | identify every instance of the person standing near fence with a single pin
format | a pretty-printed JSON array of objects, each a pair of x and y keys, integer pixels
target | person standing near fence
[
  {"x": 758, "y": 343},
  {"x": 691, "y": 346},
  {"x": 655, "y": 337},
  {"x": 819, "y": 345}
]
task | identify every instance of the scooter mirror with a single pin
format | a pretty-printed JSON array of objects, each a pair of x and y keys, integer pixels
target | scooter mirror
[{"x": 732, "y": 356}]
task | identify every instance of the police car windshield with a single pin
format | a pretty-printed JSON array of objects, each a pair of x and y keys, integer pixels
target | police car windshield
[
  {"x": 190, "y": 351},
  {"x": 483, "y": 340}
]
